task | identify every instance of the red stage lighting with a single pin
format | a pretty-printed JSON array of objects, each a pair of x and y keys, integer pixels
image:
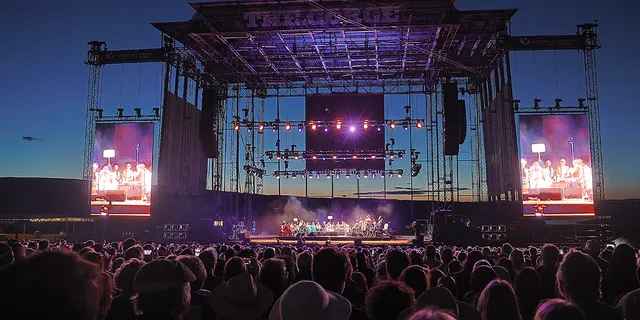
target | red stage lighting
[
  {"x": 339, "y": 125},
  {"x": 419, "y": 124},
  {"x": 260, "y": 127},
  {"x": 365, "y": 125},
  {"x": 392, "y": 125},
  {"x": 287, "y": 126},
  {"x": 313, "y": 126}
]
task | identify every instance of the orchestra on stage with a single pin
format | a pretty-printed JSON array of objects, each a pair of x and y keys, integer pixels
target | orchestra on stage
[
  {"x": 124, "y": 184},
  {"x": 366, "y": 227}
]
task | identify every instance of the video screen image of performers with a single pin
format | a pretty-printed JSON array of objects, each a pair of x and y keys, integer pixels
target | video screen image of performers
[
  {"x": 555, "y": 164},
  {"x": 364, "y": 227},
  {"x": 121, "y": 175}
]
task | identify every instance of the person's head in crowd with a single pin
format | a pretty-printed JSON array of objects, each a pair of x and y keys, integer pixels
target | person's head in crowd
[
  {"x": 448, "y": 282},
  {"x": 388, "y": 299},
  {"x": 447, "y": 255},
  {"x": 473, "y": 257},
  {"x": 128, "y": 243},
  {"x": 578, "y": 278},
  {"x": 308, "y": 300},
  {"x": 396, "y": 260},
  {"x": 117, "y": 262},
  {"x": 432, "y": 314},
  {"x": 415, "y": 257},
  {"x": 507, "y": 248},
  {"x": 96, "y": 258},
  {"x": 330, "y": 269},
  {"x": 517, "y": 259},
  {"x": 593, "y": 247},
  {"x": 558, "y": 309},
  {"x": 19, "y": 251},
  {"x": 196, "y": 266},
  {"x": 304, "y": 262},
  {"x": 527, "y": 286},
  {"x": 162, "y": 252},
  {"x": 164, "y": 290},
  {"x": 462, "y": 257},
  {"x": 480, "y": 278},
  {"x": 51, "y": 285},
  {"x": 454, "y": 267},
  {"x": 134, "y": 252},
  {"x": 381, "y": 271},
  {"x": 629, "y": 305},
  {"x": 360, "y": 288},
  {"x": 209, "y": 258},
  {"x": 268, "y": 253},
  {"x": 43, "y": 245},
  {"x": 498, "y": 301},
  {"x": 439, "y": 297},
  {"x": 434, "y": 275},
  {"x": 125, "y": 274},
  {"x": 481, "y": 262},
  {"x": 274, "y": 275},
  {"x": 550, "y": 256},
  {"x": 416, "y": 278},
  {"x": 502, "y": 273},
  {"x": 621, "y": 273},
  {"x": 6, "y": 254},
  {"x": 233, "y": 267}
]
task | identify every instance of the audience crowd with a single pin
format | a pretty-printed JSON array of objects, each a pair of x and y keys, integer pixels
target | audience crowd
[{"x": 134, "y": 280}]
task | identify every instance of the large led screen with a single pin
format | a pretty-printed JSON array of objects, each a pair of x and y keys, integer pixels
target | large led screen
[
  {"x": 122, "y": 168},
  {"x": 555, "y": 164}
]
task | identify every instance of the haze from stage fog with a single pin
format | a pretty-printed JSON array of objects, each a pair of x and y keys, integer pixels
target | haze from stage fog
[{"x": 44, "y": 86}]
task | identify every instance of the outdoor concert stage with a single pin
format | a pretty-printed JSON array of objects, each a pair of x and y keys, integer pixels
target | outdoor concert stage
[{"x": 335, "y": 240}]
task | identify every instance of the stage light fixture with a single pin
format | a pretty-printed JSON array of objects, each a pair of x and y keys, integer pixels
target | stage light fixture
[
  {"x": 337, "y": 176},
  {"x": 373, "y": 157},
  {"x": 274, "y": 126},
  {"x": 347, "y": 176},
  {"x": 300, "y": 127},
  {"x": 536, "y": 103},
  {"x": 405, "y": 125},
  {"x": 581, "y": 103},
  {"x": 557, "y": 101},
  {"x": 261, "y": 127},
  {"x": 419, "y": 124},
  {"x": 339, "y": 125},
  {"x": 328, "y": 176},
  {"x": 379, "y": 129},
  {"x": 287, "y": 126},
  {"x": 354, "y": 157},
  {"x": 352, "y": 128},
  {"x": 365, "y": 125},
  {"x": 138, "y": 112},
  {"x": 326, "y": 129},
  {"x": 156, "y": 112},
  {"x": 236, "y": 126},
  {"x": 392, "y": 125},
  {"x": 314, "y": 126},
  {"x": 120, "y": 112},
  {"x": 296, "y": 157},
  {"x": 314, "y": 157},
  {"x": 334, "y": 157}
]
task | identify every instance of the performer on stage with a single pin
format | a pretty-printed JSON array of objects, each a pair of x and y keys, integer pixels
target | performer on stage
[
  {"x": 524, "y": 172},
  {"x": 563, "y": 171},
  {"x": 548, "y": 173}
]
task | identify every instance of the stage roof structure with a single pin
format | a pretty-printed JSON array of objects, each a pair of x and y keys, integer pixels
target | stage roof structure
[{"x": 276, "y": 43}]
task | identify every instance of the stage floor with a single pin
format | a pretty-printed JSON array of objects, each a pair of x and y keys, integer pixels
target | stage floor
[
  {"x": 135, "y": 208},
  {"x": 337, "y": 240}
]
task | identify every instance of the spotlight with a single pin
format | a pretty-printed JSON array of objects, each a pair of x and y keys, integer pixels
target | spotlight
[
  {"x": 419, "y": 124},
  {"x": 339, "y": 125},
  {"x": 373, "y": 157},
  {"x": 379, "y": 129},
  {"x": 326, "y": 129},
  {"x": 314, "y": 157},
  {"x": 138, "y": 112},
  {"x": 347, "y": 176},
  {"x": 365, "y": 125},
  {"x": 310, "y": 176},
  {"x": 287, "y": 126},
  {"x": 296, "y": 157},
  {"x": 337, "y": 176},
  {"x": 313, "y": 126},
  {"x": 328, "y": 176},
  {"x": 354, "y": 157},
  {"x": 236, "y": 126},
  {"x": 120, "y": 112},
  {"x": 300, "y": 127},
  {"x": 352, "y": 128},
  {"x": 274, "y": 126},
  {"x": 405, "y": 125},
  {"x": 156, "y": 112},
  {"x": 261, "y": 127},
  {"x": 334, "y": 157},
  {"x": 392, "y": 125}
]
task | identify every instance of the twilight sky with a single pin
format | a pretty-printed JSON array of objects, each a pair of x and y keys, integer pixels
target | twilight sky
[{"x": 44, "y": 88}]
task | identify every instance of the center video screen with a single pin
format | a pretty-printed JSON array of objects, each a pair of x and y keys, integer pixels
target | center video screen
[
  {"x": 121, "y": 173},
  {"x": 555, "y": 165}
]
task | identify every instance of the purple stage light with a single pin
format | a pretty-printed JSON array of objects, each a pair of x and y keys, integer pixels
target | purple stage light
[{"x": 352, "y": 128}]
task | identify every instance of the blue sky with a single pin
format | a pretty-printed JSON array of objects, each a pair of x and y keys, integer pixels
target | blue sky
[{"x": 44, "y": 78}]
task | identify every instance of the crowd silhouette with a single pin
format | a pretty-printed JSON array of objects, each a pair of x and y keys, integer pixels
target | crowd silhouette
[{"x": 133, "y": 280}]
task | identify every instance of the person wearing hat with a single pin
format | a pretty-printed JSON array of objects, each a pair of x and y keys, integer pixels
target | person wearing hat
[
  {"x": 164, "y": 290},
  {"x": 307, "y": 300},
  {"x": 241, "y": 298}
]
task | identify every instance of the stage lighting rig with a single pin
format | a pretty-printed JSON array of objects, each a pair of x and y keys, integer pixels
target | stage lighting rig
[
  {"x": 516, "y": 104},
  {"x": 287, "y": 126},
  {"x": 120, "y": 112},
  {"x": 300, "y": 127},
  {"x": 261, "y": 127},
  {"x": 536, "y": 103},
  {"x": 99, "y": 111},
  {"x": 581, "y": 104},
  {"x": 138, "y": 112},
  {"x": 156, "y": 112},
  {"x": 557, "y": 103}
]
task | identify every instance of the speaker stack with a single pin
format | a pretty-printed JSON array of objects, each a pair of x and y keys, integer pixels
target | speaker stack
[
  {"x": 455, "y": 119},
  {"x": 208, "y": 134}
]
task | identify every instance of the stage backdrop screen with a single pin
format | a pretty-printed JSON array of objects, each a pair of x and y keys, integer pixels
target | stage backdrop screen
[
  {"x": 122, "y": 168},
  {"x": 555, "y": 164},
  {"x": 352, "y": 110}
]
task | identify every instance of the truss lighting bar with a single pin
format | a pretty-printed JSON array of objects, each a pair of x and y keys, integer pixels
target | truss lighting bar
[
  {"x": 334, "y": 155},
  {"x": 338, "y": 174},
  {"x": 325, "y": 126}
]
